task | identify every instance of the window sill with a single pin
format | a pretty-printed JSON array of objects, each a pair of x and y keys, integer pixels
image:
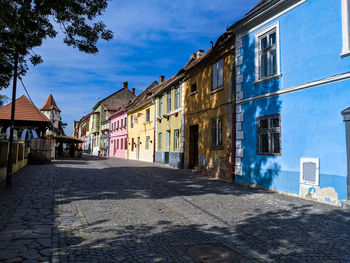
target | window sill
[
  {"x": 345, "y": 54},
  {"x": 268, "y": 79},
  {"x": 213, "y": 148},
  {"x": 269, "y": 154},
  {"x": 193, "y": 93},
  {"x": 216, "y": 90}
]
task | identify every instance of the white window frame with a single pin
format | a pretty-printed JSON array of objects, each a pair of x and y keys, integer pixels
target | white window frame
[
  {"x": 310, "y": 160},
  {"x": 160, "y": 106},
  {"x": 258, "y": 35},
  {"x": 176, "y": 140},
  {"x": 148, "y": 139},
  {"x": 346, "y": 27},
  {"x": 160, "y": 141}
]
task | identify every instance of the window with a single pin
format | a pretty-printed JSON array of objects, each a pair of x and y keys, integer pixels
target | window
[
  {"x": 218, "y": 75},
  {"x": 148, "y": 139},
  {"x": 121, "y": 144},
  {"x": 160, "y": 138},
  {"x": 168, "y": 101},
  {"x": 267, "y": 53},
  {"x": 132, "y": 121},
  {"x": 125, "y": 122},
  {"x": 216, "y": 132},
  {"x": 160, "y": 110},
  {"x": 117, "y": 125},
  {"x": 269, "y": 135},
  {"x": 126, "y": 144},
  {"x": 132, "y": 144},
  {"x": 147, "y": 115},
  {"x": 346, "y": 26},
  {"x": 194, "y": 87},
  {"x": 121, "y": 123},
  {"x": 117, "y": 144},
  {"x": 176, "y": 140},
  {"x": 177, "y": 98}
]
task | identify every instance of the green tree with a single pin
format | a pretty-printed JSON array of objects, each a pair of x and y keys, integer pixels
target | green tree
[
  {"x": 62, "y": 125},
  {"x": 24, "y": 24},
  {"x": 3, "y": 99}
]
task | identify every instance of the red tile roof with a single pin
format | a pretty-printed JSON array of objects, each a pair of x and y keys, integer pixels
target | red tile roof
[
  {"x": 49, "y": 103},
  {"x": 24, "y": 111}
]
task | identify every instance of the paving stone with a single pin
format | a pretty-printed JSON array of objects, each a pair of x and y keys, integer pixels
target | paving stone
[
  {"x": 14, "y": 260},
  {"x": 7, "y": 254},
  {"x": 30, "y": 254},
  {"x": 114, "y": 210}
]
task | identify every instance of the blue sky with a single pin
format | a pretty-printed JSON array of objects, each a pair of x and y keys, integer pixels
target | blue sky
[{"x": 152, "y": 38}]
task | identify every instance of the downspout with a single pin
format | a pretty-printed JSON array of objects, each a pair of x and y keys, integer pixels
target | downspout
[
  {"x": 233, "y": 142},
  {"x": 154, "y": 132}
]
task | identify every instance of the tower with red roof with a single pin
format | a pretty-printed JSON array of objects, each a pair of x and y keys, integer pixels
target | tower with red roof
[{"x": 53, "y": 113}]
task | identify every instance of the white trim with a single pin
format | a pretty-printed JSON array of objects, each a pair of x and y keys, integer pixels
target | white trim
[
  {"x": 276, "y": 27},
  {"x": 269, "y": 20},
  {"x": 308, "y": 85},
  {"x": 310, "y": 160},
  {"x": 346, "y": 30}
]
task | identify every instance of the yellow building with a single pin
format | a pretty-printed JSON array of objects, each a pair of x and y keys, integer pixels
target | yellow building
[
  {"x": 170, "y": 122},
  {"x": 209, "y": 110},
  {"x": 141, "y": 122}
]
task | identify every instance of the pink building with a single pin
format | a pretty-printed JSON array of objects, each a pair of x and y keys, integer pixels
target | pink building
[{"x": 118, "y": 139}]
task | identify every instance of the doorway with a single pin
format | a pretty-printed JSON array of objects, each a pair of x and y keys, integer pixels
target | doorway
[{"x": 193, "y": 144}]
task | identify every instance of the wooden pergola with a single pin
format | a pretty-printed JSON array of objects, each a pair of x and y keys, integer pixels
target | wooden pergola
[{"x": 26, "y": 115}]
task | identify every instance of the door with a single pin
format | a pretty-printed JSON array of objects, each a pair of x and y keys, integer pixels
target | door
[
  {"x": 193, "y": 144},
  {"x": 167, "y": 149},
  {"x": 138, "y": 149}
]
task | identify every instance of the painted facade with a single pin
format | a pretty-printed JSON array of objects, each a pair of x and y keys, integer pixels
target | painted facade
[
  {"x": 292, "y": 84},
  {"x": 169, "y": 125},
  {"x": 103, "y": 110},
  {"x": 105, "y": 138},
  {"x": 96, "y": 130},
  {"x": 118, "y": 143},
  {"x": 208, "y": 110},
  {"x": 141, "y": 123}
]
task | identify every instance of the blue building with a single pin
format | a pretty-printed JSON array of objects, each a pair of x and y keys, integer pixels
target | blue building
[{"x": 292, "y": 98}]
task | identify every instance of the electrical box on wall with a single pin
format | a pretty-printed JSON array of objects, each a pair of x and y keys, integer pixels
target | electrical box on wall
[{"x": 309, "y": 171}]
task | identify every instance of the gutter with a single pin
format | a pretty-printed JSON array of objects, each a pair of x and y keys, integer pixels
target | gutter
[{"x": 258, "y": 13}]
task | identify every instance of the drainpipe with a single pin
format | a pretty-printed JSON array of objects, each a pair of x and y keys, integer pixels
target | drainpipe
[
  {"x": 233, "y": 132},
  {"x": 346, "y": 116}
]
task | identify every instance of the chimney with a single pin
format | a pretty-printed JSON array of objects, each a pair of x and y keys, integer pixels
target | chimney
[
  {"x": 133, "y": 91},
  {"x": 125, "y": 85},
  {"x": 200, "y": 52},
  {"x": 161, "y": 78},
  {"x": 193, "y": 56}
]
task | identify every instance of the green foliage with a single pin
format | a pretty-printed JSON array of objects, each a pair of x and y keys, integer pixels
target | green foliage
[
  {"x": 24, "y": 24},
  {"x": 3, "y": 100},
  {"x": 62, "y": 125}
]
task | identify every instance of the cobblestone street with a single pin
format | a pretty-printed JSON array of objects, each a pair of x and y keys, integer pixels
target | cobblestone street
[{"x": 113, "y": 210}]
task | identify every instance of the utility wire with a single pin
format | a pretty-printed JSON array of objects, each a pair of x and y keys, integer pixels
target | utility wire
[{"x": 29, "y": 96}]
